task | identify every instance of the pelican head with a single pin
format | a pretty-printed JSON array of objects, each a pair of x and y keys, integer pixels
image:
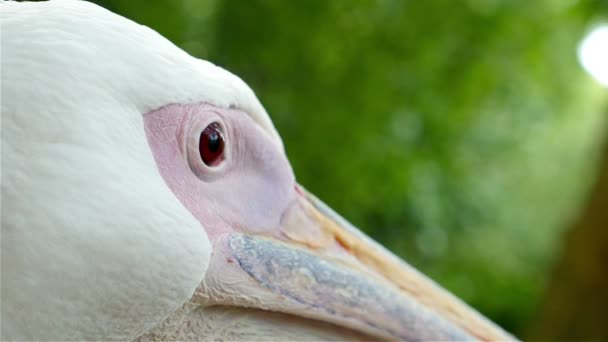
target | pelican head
[{"x": 137, "y": 179}]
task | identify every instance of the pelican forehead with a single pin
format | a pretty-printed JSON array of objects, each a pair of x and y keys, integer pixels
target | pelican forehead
[{"x": 113, "y": 60}]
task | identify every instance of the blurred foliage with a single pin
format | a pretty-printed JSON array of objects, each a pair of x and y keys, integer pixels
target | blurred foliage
[{"x": 459, "y": 134}]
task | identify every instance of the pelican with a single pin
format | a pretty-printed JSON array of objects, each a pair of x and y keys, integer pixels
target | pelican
[{"x": 147, "y": 196}]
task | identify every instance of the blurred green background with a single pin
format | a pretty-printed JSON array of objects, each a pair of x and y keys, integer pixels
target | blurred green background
[{"x": 463, "y": 135}]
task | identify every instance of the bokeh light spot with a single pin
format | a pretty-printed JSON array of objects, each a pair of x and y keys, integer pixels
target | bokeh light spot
[{"x": 593, "y": 54}]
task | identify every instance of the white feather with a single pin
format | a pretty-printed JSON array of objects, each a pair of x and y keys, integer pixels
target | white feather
[{"x": 94, "y": 244}]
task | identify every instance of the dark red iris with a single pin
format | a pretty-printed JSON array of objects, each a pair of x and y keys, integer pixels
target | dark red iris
[{"x": 211, "y": 144}]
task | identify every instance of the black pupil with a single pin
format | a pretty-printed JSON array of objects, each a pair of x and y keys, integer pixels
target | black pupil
[
  {"x": 214, "y": 141},
  {"x": 211, "y": 145}
]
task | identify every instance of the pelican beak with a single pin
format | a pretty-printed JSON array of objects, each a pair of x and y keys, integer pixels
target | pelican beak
[
  {"x": 412, "y": 305},
  {"x": 322, "y": 267}
]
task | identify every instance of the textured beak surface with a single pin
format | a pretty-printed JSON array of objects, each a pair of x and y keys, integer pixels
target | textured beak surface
[{"x": 332, "y": 271}]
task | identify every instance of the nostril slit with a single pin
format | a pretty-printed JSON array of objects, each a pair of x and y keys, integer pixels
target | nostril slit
[{"x": 299, "y": 190}]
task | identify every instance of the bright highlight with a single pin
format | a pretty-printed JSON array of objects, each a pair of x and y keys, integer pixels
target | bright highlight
[{"x": 593, "y": 54}]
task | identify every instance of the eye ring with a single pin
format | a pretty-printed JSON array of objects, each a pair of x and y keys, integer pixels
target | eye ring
[{"x": 197, "y": 123}]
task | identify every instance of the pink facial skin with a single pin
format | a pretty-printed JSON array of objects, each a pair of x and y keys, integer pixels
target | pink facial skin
[{"x": 247, "y": 191}]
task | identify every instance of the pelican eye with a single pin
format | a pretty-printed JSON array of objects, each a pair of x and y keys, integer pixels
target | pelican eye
[{"x": 211, "y": 144}]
